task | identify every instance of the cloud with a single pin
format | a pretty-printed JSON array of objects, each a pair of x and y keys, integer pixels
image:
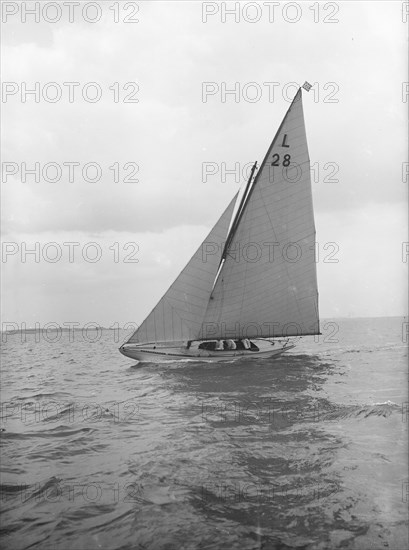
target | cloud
[{"x": 171, "y": 132}]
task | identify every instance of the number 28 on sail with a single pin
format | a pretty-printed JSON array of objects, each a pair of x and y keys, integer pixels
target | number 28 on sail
[{"x": 260, "y": 288}]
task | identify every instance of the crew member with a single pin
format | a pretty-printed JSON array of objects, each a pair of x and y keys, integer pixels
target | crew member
[
  {"x": 231, "y": 344},
  {"x": 246, "y": 343}
]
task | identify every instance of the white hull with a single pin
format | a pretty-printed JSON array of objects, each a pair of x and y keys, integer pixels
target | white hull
[{"x": 162, "y": 353}]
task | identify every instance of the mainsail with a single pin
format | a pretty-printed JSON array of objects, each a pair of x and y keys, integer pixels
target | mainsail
[
  {"x": 267, "y": 285},
  {"x": 179, "y": 314}
]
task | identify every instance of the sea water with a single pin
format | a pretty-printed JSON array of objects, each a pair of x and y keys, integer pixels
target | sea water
[{"x": 308, "y": 450}]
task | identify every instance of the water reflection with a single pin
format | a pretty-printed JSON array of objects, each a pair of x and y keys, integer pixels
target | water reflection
[{"x": 269, "y": 462}]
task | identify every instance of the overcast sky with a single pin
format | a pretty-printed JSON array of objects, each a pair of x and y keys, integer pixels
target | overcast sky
[{"x": 355, "y": 54}]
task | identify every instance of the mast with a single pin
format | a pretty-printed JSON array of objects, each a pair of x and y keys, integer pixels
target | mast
[{"x": 237, "y": 218}]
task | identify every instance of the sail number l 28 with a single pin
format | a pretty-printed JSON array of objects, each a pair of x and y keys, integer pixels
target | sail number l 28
[
  {"x": 276, "y": 157},
  {"x": 276, "y": 160}
]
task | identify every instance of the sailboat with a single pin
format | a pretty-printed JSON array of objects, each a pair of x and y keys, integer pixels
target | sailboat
[{"x": 252, "y": 284}]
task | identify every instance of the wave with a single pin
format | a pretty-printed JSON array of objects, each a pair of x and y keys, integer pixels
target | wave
[
  {"x": 58, "y": 431},
  {"x": 385, "y": 409}
]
